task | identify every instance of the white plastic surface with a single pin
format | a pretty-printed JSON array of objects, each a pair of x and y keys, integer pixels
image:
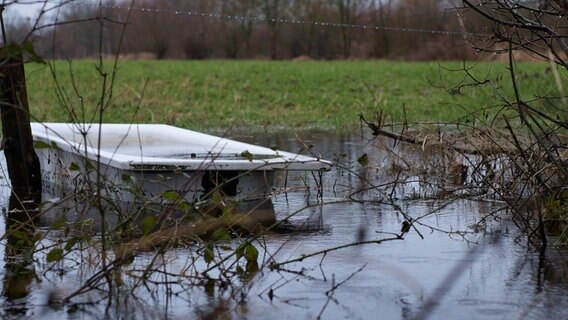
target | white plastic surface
[{"x": 161, "y": 147}]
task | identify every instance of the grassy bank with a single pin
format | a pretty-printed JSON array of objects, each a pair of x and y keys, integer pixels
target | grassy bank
[{"x": 222, "y": 94}]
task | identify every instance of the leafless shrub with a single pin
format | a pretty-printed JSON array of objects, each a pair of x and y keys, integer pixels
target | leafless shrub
[{"x": 518, "y": 155}]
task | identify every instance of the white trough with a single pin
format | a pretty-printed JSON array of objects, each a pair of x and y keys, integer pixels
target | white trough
[{"x": 141, "y": 162}]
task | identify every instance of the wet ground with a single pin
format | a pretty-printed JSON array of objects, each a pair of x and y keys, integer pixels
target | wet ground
[{"x": 450, "y": 267}]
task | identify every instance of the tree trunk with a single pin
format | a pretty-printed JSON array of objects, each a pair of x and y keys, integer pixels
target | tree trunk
[
  {"x": 273, "y": 41},
  {"x": 23, "y": 163}
]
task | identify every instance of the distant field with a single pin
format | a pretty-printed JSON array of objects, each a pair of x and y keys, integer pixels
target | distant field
[{"x": 218, "y": 95}]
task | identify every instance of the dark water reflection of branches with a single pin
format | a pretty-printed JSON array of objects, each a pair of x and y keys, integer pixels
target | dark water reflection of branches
[
  {"x": 401, "y": 278},
  {"x": 19, "y": 270}
]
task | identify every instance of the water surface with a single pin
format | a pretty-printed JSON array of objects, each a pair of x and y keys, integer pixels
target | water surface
[{"x": 449, "y": 267}]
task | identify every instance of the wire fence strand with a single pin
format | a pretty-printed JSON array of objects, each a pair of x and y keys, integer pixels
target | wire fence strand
[{"x": 260, "y": 19}]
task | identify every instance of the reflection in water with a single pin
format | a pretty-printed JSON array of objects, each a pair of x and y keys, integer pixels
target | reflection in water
[
  {"x": 467, "y": 270},
  {"x": 19, "y": 271}
]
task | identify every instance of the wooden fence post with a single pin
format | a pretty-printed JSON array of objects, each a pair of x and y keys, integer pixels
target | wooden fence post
[{"x": 17, "y": 142}]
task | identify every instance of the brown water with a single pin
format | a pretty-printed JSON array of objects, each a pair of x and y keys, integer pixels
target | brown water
[{"x": 445, "y": 269}]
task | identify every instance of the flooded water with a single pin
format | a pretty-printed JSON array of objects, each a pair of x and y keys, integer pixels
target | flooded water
[{"x": 462, "y": 259}]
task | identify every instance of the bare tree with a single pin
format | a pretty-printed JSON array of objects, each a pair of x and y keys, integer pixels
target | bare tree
[
  {"x": 536, "y": 29},
  {"x": 247, "y": 10},
  {"x": 273, "y": 12},
  {"x": 380, "y": 11},
  {"x": 236, "y": 33},
  {"x": 347, "y": 11},
  {"x": 253, "y": 28}
]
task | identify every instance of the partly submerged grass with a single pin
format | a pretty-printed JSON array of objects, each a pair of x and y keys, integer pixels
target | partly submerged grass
[{"x": 217, "y": 95}]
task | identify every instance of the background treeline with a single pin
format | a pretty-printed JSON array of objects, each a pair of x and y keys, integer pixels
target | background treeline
[{"x": 404, "y": 33}]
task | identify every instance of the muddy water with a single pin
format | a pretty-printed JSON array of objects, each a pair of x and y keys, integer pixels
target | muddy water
[{"x": 449, "y": 267}]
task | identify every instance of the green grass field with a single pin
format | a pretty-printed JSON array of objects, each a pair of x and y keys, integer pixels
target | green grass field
[{"x": 218, "y": 95}]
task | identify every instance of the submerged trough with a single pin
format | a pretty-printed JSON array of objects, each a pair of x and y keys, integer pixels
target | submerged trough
[{"x": 141, "y": 162}]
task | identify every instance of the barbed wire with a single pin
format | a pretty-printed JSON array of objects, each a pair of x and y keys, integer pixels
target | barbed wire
[{"x": 257, "y": 19}]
